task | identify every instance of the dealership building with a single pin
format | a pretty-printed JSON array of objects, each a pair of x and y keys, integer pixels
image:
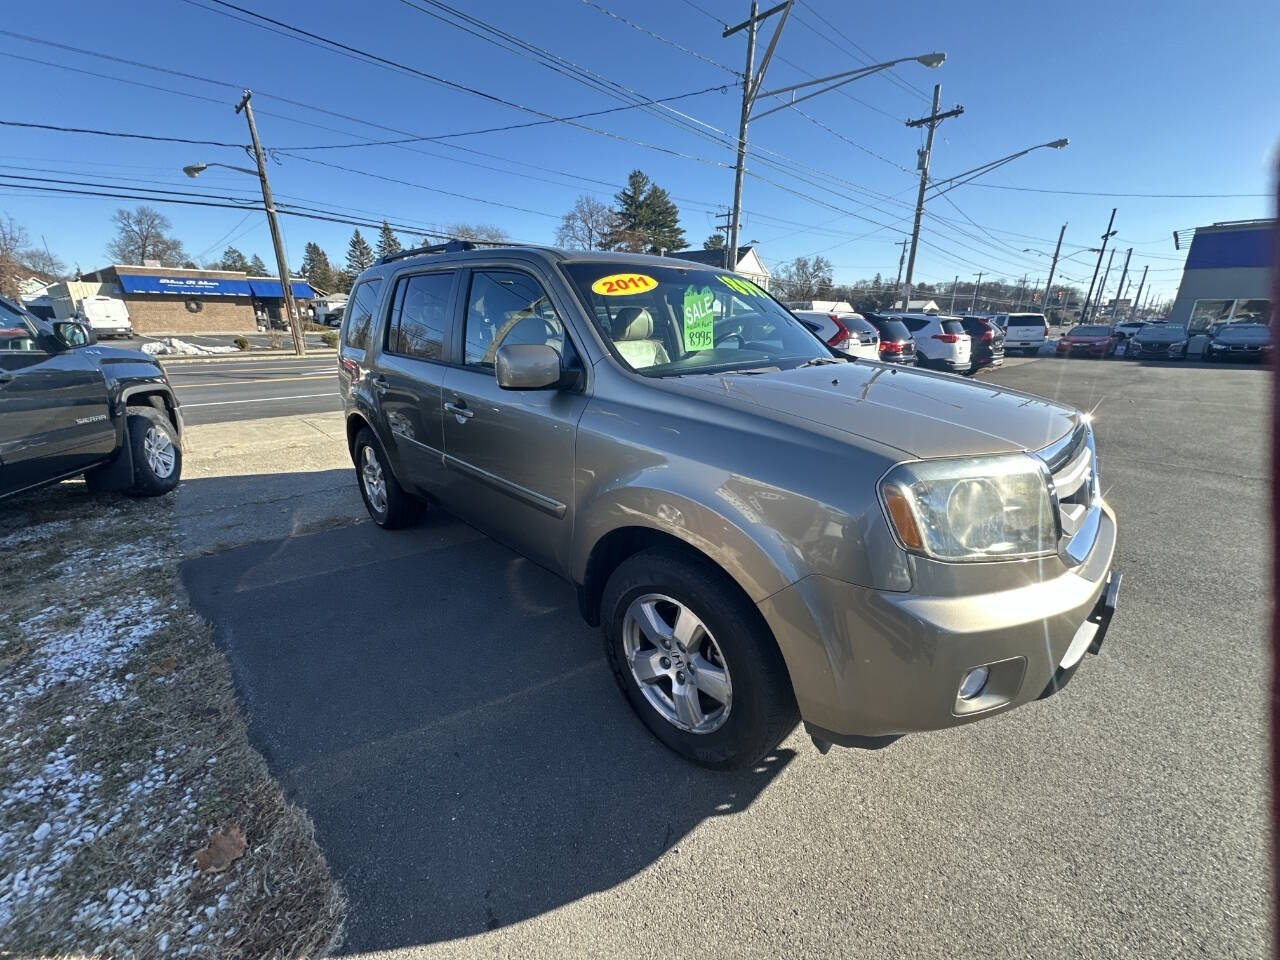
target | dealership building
[
  {"x": 1227, "y": 275},
  {"x": 168, "y": 300}
]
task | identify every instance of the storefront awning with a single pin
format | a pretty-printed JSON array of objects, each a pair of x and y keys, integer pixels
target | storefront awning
[
  {"x": 270, "y": 289},
  {"x": 185, "y": 286}
]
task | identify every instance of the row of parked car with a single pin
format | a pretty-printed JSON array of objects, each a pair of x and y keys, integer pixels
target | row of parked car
[
  {"x": 954, "y": 344},
  {"x": 1159, "y": 340}
]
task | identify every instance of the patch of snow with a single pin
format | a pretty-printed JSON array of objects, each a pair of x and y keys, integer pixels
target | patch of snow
[
  {"x": 34, "y": 534},
  {"x": 172, "y": 346}
]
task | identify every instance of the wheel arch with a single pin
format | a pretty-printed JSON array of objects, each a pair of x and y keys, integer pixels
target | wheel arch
[{"x": 154, "y": 396}]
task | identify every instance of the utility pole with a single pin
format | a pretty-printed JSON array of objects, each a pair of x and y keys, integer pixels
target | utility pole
[
  {"x": 282, "y": 266},
  {"x": 922, "y": 162},
  {"x": 1124, "y": 275},
  {"x": 1084, "y": 312},
  {"x": 751, "y": 81},
  {"x": 1102, "y": 287},
  {"x": 954, "y": 283},
  {"x": 973, "y": 306},
  {"x": 897, "y": 284},
  {"x": 1133, "y": 310},
  {"x": 724, "y": 228},
  {"x": 1053, "y": 266}
]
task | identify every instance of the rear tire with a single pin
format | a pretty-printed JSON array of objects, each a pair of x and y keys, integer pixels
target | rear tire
[
  {"x": 390, "y": 506},
  {"x": 733, "y": 655},
  {"x": 157, "y": 453}
]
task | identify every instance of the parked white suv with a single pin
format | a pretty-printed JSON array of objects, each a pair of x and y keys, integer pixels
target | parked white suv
[
  {"x": 1023, "y": 331},
  {"x": 847, "y": 332},
  {"x": 941, "y": 342}
]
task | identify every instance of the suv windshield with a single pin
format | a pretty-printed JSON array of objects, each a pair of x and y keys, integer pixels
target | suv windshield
[
  {"x": 1090, "y": 332},
  {"x": 669, "y": 321}
]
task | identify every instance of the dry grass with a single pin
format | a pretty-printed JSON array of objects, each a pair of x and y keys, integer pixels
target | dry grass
[{"x": 116, "y": 769}]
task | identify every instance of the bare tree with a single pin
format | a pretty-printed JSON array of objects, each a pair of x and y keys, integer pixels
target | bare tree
[
  {"x": 45, "y": 263},
  {"x": 142, "y": 235},
  {"x": 484, "y": 232},
  {"x": 804, "y": 279},
  {"x": 586, "y": 225}
]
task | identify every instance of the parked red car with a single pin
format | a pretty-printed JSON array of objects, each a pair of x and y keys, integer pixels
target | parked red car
[{"x": 1087, "y": 341}]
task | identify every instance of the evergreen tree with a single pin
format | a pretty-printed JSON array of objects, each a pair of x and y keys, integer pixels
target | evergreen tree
[
  {"x": 256, "y": 267},
  {"x": 647, "y": 220},
  {"x": 317, "y": 269},
  {"x": 387, "y": 241},
  {"x": 233, "y": 259},
  {"x": 714, "y": 242},
  {"x": 359, "y": 253}
]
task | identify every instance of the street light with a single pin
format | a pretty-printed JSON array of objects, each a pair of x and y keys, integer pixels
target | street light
[
  {"x": 194, "y": 170},
  {"x": 969, "y": 175},
  {"x": 931, "y": 60}
]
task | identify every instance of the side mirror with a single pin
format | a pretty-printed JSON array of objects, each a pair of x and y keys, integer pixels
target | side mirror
[
  {"x": 73, "y": 334},
  {"x": 532, "y": 366}
]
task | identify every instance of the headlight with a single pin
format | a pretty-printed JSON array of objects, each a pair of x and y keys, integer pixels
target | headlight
[{"x": 984, "y": 508}]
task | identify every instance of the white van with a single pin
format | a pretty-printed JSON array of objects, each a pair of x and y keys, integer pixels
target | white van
[
  {"x": 1023, "y": 331},
  {"x": 106, "y": 316}
]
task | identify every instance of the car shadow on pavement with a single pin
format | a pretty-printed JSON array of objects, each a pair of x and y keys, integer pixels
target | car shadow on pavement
[{"x": 441, "y": 711}]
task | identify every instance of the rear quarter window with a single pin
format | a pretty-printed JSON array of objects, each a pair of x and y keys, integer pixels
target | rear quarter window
[
  {"x": 952, "y": 326},
  {"x": 361, "y": 308}
]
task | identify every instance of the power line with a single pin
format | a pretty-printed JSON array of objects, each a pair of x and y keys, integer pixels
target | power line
[
  {"x": 867, "y": 56},
  {"x": 116, "y": 133},
  {"x": 657, "y": 36},
  {"x": 1151, "y": 196}
]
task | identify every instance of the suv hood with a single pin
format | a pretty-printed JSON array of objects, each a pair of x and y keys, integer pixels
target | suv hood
[
  {"x": 120, "y": 355},
  {"x": 923, "y": 414}
]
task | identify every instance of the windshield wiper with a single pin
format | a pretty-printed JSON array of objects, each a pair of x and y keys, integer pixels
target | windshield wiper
[{"x": 818, "y": 361}]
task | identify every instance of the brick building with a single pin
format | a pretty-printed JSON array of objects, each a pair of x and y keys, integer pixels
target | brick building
[{"x": 170, "y": 300}]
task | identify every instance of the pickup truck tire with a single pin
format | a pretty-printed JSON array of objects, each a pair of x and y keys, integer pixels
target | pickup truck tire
[
  {"x": 761, "y": 706},
  {"x": 156, "y": 451},
  {"x": 390, "y": 506}
]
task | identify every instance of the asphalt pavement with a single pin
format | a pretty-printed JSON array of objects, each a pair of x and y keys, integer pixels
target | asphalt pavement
[
  {"x": 481, "y": 788},
  {"x": 221, "y": 390}
]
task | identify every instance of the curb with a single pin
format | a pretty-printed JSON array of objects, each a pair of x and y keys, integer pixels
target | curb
[{"x": 323, "y": 354}]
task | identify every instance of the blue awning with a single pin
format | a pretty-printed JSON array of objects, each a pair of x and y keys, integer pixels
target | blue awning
[
  {"x": 270, "y": 289},
  {"x": 185, "y": 286}
]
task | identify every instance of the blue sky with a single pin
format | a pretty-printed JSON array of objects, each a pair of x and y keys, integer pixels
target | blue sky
[{"x": 1155, "y": 98}]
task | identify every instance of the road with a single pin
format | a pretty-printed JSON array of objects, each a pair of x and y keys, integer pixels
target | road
[
  {"x": 255, "y": 387},
  {"x": 480, "y": 787}
]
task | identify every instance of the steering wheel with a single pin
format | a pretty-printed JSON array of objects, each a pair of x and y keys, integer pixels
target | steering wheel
[{"x": 732, "y": 335}]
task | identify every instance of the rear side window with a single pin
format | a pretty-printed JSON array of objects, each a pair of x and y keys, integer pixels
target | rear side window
[
  {"x": 915, "y": 324},
  {"x": 420, "y": 315},
  {"x": 361, "y": 307},
  {"x": 952, "y": 326}
]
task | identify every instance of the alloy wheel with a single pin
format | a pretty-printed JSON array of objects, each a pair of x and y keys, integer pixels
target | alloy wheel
[
  {"x": 375, "y": 484},
  {"x": 677, "y": 663},
  {"x": 159, "y": 452}
]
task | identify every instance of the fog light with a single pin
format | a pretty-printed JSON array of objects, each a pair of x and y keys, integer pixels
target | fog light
[{"x": 973, "y": 682}]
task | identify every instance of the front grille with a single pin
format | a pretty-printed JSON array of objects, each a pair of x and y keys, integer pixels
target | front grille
[{"x": 1073, "y": 465}]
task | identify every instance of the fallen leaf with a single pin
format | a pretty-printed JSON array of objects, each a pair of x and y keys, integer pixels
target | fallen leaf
[
  {"x": 225, "y": 847},
  {"x": 165, "y": 666}
]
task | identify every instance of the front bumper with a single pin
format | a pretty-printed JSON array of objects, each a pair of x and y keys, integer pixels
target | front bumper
[{"x": 870, "y": 665}]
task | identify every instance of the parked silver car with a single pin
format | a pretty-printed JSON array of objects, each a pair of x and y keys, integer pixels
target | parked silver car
[{"x": 765, "y": 532}]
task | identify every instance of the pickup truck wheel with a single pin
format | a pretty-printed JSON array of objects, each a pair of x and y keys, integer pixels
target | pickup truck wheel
[
  {"x": 695, "y": 660},
  {"x": 387, "y": 502},
  {"x": 157, "y": 454}
]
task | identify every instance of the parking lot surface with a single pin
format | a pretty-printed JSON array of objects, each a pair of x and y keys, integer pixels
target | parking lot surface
[{"x": 481, "y": 788}]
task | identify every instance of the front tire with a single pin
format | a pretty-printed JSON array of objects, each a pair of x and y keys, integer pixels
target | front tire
[
  {"x": 387, "y": 502},
  {"x": 695, "y": 660},
  {"x": 157, "y": 454}
]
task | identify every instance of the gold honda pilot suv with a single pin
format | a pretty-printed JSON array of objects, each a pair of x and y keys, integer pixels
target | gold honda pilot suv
[{"x": 766, "y": 532}]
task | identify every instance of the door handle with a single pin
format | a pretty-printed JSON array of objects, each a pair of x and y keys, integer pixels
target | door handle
[
  {"x": 460, "y": 410},
  {"x": 379, "y": 384}
]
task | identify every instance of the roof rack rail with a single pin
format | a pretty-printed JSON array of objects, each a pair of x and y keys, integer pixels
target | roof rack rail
[{"x": 453, "y": 246}]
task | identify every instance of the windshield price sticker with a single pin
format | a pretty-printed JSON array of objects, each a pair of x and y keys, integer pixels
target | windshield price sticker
[
  {"x": 739, "y": 285},
  {"x": 699, "y": 319},
  {"x": 623, "y": 284}
]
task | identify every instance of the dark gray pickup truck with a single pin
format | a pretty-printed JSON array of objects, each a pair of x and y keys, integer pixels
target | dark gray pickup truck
[{"x": 69, "y": 406}]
